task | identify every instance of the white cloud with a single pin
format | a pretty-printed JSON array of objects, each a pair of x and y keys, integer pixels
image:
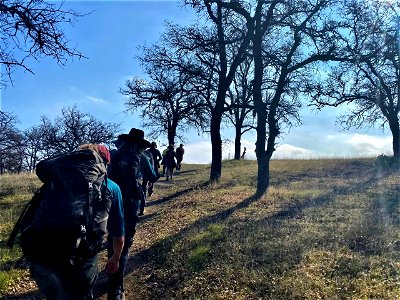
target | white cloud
[
  {"x": 96, "y": 100},
  {"x": 319, "y": 146},
  {"x": 197, "y": 153},
  {"x": 369, "y": 145},
  {"x": 289, "y": 151}
]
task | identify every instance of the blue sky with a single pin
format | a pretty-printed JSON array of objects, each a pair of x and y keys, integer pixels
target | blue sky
[{"x": 109, "y": 37}]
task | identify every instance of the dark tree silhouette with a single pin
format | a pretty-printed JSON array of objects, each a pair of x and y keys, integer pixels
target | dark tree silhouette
[
  {"x": 33, "y": 29},
  {"x": 167, "y": 101},
  {"x": 241, "y": 108},
  {"x": 286, "y": 37},
  {"x": 229, "y": 30},
  {"x": 74, "y": 128},
  {"x": 33, "y": 146},
  {"x": 10, "y": 143},
  {"x": 368, "y": 81}
]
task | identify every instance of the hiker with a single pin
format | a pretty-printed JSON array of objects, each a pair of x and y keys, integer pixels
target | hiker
[
  {"x": 169, "y": 162},
  {"x": 162, "y": 161},
  {"x": 244, "y": 153},
  {"x": 58, "y": 272},
  {"x": 179, "y": 156},
  {"x": 157, "y": 157},
  {"x": 128, "y": 164},
  {"x": 147, "y": 185}
]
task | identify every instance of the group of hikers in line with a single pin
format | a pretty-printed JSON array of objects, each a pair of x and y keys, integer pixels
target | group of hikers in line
[{"x": 69, "y": 272}]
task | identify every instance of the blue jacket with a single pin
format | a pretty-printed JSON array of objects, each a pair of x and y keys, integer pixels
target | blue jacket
[{"x": 147, "y": 169}]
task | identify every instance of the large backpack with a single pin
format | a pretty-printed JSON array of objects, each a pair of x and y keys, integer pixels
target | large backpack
[
  {"x": 67, "y": 217},
  {"x": 125, "y": 171}
]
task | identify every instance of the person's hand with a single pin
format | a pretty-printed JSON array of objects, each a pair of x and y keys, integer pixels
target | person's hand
[{"x": 112, "y": 265}]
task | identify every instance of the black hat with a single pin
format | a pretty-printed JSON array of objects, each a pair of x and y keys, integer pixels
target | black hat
[{"x": 135, "y": 135}]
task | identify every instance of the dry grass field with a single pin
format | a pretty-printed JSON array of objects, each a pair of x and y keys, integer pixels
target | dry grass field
[{"x": 327, "y": 229}]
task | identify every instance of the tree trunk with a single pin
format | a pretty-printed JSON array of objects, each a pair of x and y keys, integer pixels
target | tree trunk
[
  {"x": 263, "y": 173},
  {"x": 216, "y": 142},
  {"x": 171, "y": 139},
  {"x": 394, "y": 128},
  {"x": 260, "y": 107},
  {"x": 238, "y": 136},
  {"x": 262, "y": 157},
  {"x": 172, "y": 133}
]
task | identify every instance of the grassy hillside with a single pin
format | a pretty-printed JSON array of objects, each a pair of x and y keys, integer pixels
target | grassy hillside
[{"x": 327, "y": 229}]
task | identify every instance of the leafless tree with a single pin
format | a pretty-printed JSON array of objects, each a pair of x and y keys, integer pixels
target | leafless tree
[
  {"x": 230, "y": 29},
  {"x": 74, "y": 128},
  {"x": 167, "y": 101},
  {"x": 367, "y": 82},
  {"x": 241, "y": 108},
  {"x": 33, "y": 146},
  {"x": 31, "y": 30},
  {"x": 10, "y": 141},
  {"x": 286, "y": 38}
]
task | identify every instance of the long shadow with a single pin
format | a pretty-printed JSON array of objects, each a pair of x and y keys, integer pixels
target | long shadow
[
  {"x": 177, "y": 194},
  {"x": 185, "y": 172}
]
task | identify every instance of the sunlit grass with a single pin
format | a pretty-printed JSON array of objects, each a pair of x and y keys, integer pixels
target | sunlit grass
[{"x": 327, "y": 229}]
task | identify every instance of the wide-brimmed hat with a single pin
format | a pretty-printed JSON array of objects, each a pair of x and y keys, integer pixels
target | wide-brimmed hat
[{"x": 135, "y": 135}]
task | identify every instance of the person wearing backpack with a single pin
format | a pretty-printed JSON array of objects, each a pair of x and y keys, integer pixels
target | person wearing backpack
[
  {"x": 169, "y": 162},
  {"x": 163, "y": 161},
  {"x": 179, "y": 157},
  {"x": 128, "y": 165},
  {"x": 147, "y": 185},
  {"x": 59, "y": 273},
  {"x": 157, "y": 157}
]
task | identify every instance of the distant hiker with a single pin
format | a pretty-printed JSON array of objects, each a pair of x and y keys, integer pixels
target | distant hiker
[
  {"x": 179, "y": 156},
  {"x": 147, "y": 185},
  {"x": 128, "y": 165},
  {"x": 169, "y": 162},
  {"x": 162, "y": 162},
  {"x": 157, "y": 157},
  {"x": 244, "y": 153},
  {"x": 68, "y": 219}
]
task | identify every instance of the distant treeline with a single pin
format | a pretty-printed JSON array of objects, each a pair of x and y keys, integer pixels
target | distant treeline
[{"x": 21, "y": 150}]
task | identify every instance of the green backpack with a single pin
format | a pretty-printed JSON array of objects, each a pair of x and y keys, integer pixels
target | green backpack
[{"x": 67, "y": 216}]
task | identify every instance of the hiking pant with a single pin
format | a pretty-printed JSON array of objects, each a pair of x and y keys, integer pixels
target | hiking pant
[
  {"x": 62, "y": 281},
  {"x": 145, "y": 184},
  {"x": 179, "y": 163},
  {"x": 116, "y": 280},
  {"x": 169, "y": 172}
]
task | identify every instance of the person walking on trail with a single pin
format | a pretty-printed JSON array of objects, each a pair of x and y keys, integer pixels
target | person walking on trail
[
  {"x": 128, "y": 165},
  {"x": 169, "y": 162},
  {"x": 147, "y": 185},
  {"x": 162, "y": 161},
  {"x": 157, "y": 157},
  {"x": 244, "y": 153},
  {"x": 62, "y": 277},
  {"x": 179, "y": 156}
]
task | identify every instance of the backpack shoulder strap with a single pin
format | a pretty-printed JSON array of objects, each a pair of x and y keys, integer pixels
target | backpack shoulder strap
[{"x": 26, "y": 217}]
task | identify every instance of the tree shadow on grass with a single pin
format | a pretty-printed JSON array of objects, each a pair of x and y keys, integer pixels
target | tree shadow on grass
[
  {"x": 184, "y": 172},
  {"x": 155, "y": 256},
  {"x": 177, "y": 194}
]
